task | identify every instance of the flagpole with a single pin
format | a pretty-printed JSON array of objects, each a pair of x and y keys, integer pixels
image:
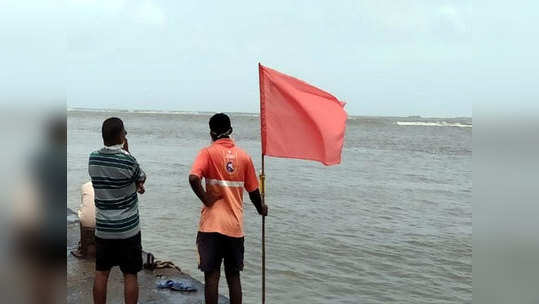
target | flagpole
[
  {"x": 262, "y": 183},
  {"x": 263, "y": 192}
]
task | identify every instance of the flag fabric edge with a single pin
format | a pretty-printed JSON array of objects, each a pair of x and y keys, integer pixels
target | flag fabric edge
[{"x": 265, "y": 74}]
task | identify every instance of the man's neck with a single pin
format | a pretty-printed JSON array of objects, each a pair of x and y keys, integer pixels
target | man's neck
[
  {"x": 114, "y": 146},
  {"x": 224, "y": 137}
]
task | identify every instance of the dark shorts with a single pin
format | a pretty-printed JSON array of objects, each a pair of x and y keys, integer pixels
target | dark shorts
[
  {"x": 126, "y": 253},
  {"x": 213, "y": 247}
]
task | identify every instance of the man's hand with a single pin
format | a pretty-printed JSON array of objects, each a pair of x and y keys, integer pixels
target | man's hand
[
  {"x": 210, "y": 198},
  {"x": 257, "y": 201},
  {"x": 263, "y": 210},
  {"x": 207, "y": 198},
  {"x": 140, "y": 187}
]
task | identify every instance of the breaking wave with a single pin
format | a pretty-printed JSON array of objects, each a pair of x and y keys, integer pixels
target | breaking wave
[{"x": 433, "y": 124}]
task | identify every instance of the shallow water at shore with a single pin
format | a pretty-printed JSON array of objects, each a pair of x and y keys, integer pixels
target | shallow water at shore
[{"x": 391, "y": 224}]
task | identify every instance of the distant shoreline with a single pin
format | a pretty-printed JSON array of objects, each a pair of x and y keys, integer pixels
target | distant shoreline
[{"x": 206, "y": 113}]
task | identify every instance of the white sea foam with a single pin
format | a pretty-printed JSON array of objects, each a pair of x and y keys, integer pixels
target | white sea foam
[{"x": 433, "y": 124}]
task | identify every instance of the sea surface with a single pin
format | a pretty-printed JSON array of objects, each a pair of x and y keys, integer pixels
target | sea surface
[{"x": 391, "y": 224}]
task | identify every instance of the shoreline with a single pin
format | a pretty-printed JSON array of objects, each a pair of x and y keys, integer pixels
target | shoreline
[{"x": 80, "y": 273}]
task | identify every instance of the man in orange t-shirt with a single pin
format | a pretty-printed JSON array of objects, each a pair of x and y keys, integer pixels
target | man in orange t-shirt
[{"x": 227, "y": 169}]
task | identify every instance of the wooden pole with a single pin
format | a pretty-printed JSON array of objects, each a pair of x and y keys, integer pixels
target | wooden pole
[{"x": 263, "y": 192}]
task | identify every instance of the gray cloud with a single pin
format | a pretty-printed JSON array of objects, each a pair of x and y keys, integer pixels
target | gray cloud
[{"x": 382, "y": 57}]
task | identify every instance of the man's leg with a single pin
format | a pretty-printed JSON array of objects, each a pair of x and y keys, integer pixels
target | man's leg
[
  {"x": 130, "y": 265},
  {"x": 233, "y": 257},
  {"x": 211, "y": 287},
  {"x": 234, "y": 285},
  {"x": 100, "y": 286},
  {"x": 130, "y": 288}
]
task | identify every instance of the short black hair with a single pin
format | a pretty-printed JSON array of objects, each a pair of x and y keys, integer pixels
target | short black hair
[
  {"x": 112, "y": 129},
  {"x": 219, "y": 123}
]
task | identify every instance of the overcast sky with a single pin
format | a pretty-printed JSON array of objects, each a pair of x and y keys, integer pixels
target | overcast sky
[{"x": 383, "y": 57}]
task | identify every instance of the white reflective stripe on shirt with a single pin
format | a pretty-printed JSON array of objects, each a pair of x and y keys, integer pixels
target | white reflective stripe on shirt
[{"x": 224, "y": 183}]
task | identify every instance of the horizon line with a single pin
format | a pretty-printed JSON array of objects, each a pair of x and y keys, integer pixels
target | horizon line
[{"x": 156, "y": 111}]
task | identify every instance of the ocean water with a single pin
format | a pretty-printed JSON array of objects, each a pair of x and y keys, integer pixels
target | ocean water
[{"x": 391, "y": 224}]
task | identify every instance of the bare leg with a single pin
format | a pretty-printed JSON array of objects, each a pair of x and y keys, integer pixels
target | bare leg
[
  {"x": 234, "y": 286},
  {"x": 211, "y": 288},
  {"x": 100, "y": 287},
  {"x": 130, "y": 288}
]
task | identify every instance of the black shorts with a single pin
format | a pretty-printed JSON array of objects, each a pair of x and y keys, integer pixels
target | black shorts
[
  {"x": 126, "y": 253},
  {"x": 213, "y": 247}
]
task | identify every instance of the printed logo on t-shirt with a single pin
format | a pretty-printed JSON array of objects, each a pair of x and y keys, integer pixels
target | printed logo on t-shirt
[
  {"x": 230, "y": 167},
  {"x": 230, "y": 162}
]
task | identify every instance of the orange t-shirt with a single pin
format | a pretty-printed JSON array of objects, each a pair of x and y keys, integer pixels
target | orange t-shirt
[{"x": 227, "y": 169}]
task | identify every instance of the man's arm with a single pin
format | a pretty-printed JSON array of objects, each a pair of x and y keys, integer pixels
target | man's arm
[
  {"x": 256, "y": 199},
  {"x": 140, "y": 185},
  {"x": 140, "y": 179},
  {"x": 206, "y": 198}
]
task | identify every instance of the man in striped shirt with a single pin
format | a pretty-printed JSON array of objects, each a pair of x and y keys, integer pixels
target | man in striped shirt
[{"x": 116, "y": 177}]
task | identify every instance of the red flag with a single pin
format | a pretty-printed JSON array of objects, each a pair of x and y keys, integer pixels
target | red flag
[{"x": 299, "y": 120}]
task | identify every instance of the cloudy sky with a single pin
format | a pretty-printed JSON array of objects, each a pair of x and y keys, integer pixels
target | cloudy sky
[{"x": 383, "y": 57}]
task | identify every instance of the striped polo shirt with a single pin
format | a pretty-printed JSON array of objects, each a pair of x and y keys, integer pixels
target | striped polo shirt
[{"x": 114, "y": 173}]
